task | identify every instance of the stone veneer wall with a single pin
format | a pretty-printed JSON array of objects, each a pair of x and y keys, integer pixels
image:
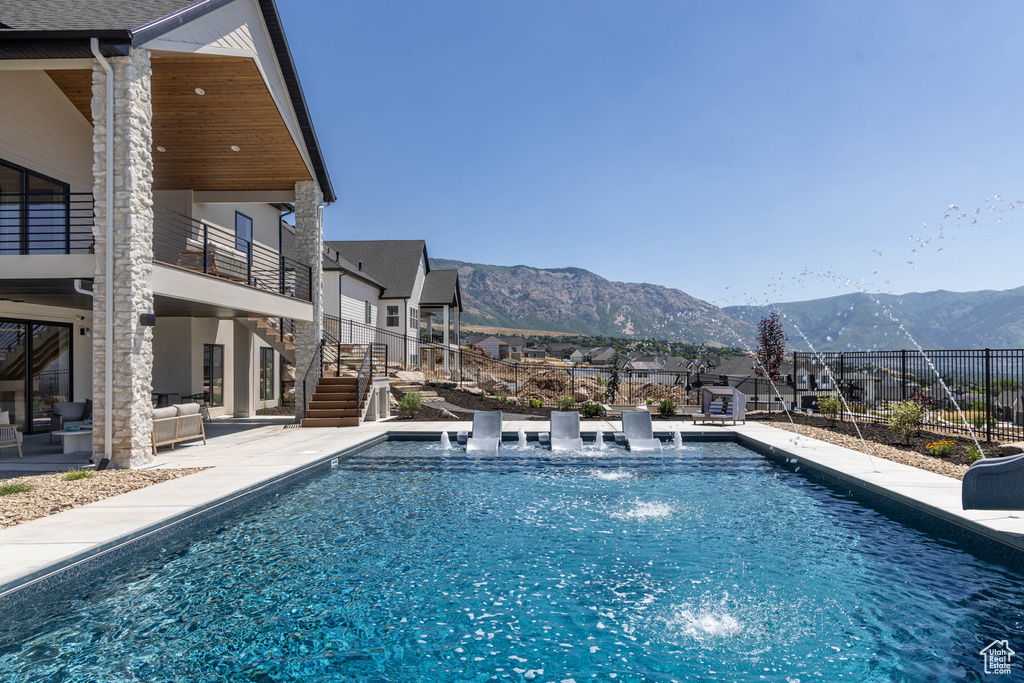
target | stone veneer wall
[
  {"x": 309, "y": 245},
  {"x": 133, "y": 258}
]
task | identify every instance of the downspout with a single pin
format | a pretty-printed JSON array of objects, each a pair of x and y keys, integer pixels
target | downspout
[{"x": 108, "y": 280}]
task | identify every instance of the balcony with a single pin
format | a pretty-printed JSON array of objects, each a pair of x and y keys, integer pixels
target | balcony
[
  {"x": 203, "y": 247},
  {"x": 40, "y": 223}
]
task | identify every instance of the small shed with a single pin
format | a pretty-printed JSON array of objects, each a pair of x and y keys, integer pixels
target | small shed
[{"x": 735, "y": 401}]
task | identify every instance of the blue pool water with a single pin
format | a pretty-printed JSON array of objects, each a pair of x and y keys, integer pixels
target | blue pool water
[{"x": 411, "y": 564}]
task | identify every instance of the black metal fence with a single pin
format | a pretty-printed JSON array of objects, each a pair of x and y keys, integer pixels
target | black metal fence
[{"x": 183, "y": 241}]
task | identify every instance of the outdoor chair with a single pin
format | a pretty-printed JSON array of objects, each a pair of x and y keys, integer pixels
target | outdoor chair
[
  {"x": 994, "y": 484},
  {"x": 486, "y": 431},
  {"x": 10, "y": 436},
  {"x": 565, "y": 431},
  {"x": 68, "y": 413},
  {"x": 638, "y": 431}
]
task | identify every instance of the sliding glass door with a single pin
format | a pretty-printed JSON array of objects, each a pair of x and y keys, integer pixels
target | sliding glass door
[{"x": 35, "y": 371}]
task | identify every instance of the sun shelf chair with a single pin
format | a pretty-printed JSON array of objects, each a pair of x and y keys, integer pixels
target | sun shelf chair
[
  {"x": 638, "y": 431},
  {"x": 994, "y": 484},
  {"x": 486, "y": 431},
  {"x": 565, "y": 431}
]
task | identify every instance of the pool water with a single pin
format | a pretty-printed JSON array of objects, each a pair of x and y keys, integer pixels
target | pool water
[{"x": 409, "y": 563}]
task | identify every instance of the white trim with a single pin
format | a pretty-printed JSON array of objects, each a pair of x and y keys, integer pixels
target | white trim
[{"x": 45, "y": 64}]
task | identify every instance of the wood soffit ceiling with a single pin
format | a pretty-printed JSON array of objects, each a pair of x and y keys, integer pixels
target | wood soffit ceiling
[{"x": 197, "y": 131}]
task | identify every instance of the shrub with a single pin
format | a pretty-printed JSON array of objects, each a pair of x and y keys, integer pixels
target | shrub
[
  {"x": 906, "y": 418},
  {"x": 667, "y": 407},
  {"x": 77, "y": 473},
  {"x": 941, "y": 448},
  {"x": 410, "y": 404},
  {"x": 502, "y": 398},
  {"x": 536, "y": 403},
  {"x": 14, "y": 487},
  {"x": 973, "y": 454},
  {"x": 591, "y": 409},
  {"x": 566, "y": 403},
  {"x": 831, "y": 405}
]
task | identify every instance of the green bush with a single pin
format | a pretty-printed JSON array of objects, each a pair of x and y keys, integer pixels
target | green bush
[
  {"x": 502, "y": 398},
  {"x": 410, "y": 404},
  {"x": 831, "y": 405},
  {"x": 566, "y": 403},
  {"x": 536, "y": 403},
  {"x": 906, "y": 418},
  {"x": 591, "y": 409},
  {"x": 667, "y": 407},
  {"x": 973, "y": 454}
]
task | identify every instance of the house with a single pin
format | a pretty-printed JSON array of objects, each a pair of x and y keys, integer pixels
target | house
[
  {"x": 560, "y": 350},
  {"x": 601, "y": 355},
  {"x": 193, "y": 112},
  {"x": 388, "y": 289},
  {"x": 499, "y": 348},
  {"x": 534, "y": 352}
]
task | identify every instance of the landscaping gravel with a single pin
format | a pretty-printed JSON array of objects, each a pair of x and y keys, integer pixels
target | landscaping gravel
[{"x": 51, "y": 493}]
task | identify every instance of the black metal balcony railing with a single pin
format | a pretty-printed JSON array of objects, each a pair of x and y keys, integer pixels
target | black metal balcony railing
[
  {"x": 183, "y": 241},
  {"x": 46, "y": 223}
]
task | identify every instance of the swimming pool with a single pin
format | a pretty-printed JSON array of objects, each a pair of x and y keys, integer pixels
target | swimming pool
[{"x": 414, "y": 564}]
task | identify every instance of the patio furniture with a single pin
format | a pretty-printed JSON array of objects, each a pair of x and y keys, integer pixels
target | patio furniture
[
  {"x": 76, "y": 441},
  {"x": 721, "y": 404},
  {"x": 638, "y": 431},
  {"x": 67, "y": 413},
  {"x": 10, "y": 436},
  {"x": 486, "y": 431},
  {"x": 994, "y": 484},
  {"x": 175, "y": 424},
  {"x": 565, "y": 431}
]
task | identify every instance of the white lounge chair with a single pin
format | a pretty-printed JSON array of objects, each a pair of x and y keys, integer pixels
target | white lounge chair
[
  {"x": 486, "y": 431},
  {"x": 638, "y": 431},
  {"x": 565, "y": 431}
]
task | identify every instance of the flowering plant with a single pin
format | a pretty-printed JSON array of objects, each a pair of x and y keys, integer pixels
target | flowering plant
[{"x": 941, "y": 448}]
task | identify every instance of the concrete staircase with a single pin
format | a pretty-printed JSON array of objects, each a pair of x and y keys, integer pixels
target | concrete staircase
[{"x": 334, "y": 403}]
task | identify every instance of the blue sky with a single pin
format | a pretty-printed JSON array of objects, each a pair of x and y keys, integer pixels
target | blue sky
[{"x": 721, "y": 148}]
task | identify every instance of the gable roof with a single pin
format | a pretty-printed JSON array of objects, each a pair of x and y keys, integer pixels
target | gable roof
[
  {"x": 62, "y": 29},
  {"x": 333, "y": 261},
  {"x": 393, "y": 263},
  {"x": 441, "y": 288}
]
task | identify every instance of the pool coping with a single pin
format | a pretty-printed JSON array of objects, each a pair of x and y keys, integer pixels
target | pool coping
[{"x": 94, "y": 534}]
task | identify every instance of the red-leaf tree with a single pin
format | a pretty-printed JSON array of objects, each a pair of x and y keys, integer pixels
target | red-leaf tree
[{"x": 771, "y": 346}]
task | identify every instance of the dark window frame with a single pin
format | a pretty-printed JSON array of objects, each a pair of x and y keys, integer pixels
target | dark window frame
[
  {"x": 208, "y": 378},
  {"x": 266, "y": 373},
  {"x": 242, "y": 243},
  {"x": 24, "y": 212},
  {"x": 393, "y": 319}
]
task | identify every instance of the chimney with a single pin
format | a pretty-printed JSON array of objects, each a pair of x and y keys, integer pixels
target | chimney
[{"x": 360, "y": 266}]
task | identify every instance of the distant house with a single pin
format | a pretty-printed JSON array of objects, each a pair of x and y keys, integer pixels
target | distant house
[
  {"x": 499, "y": 348},
  {"x": 601, "y": 355},
  {"x": 389, "y": 285},
  {"x": 561, "y": 351},
  {"x": 534, "y": 352}
]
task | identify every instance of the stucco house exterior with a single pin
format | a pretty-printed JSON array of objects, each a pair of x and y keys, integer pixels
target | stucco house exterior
[{"x": 148, "y": 153}]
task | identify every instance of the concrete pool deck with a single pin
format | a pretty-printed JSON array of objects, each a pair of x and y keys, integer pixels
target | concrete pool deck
[{"x": 242, "y": 461}]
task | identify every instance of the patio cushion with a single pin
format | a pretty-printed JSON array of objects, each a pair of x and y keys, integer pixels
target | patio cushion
[
  {"x": 5, "y": 417},
  {"x": 187, "y": 409},
  {"x": 70, "y": 410},
  {"x": 164, "y": 413}
]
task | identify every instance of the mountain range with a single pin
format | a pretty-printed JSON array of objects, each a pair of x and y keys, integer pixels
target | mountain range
[{"x": 574, "y": 300}]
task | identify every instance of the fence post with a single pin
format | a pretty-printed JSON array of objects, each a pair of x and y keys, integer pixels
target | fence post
[
  {"x": 796, "y": 381},
  {"x": 988, "y": 394},
  {"x": 842, "y": 375},
  {"x": 903, "y": 375},
  {"x": 515, "y": 368}
]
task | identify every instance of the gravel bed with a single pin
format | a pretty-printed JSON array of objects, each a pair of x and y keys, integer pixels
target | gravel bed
[
  {"x": 877, "y": 450},
  {"x": 51, "y": 493}
]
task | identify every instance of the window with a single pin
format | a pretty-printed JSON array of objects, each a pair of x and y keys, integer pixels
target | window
[
  {"x": 266, "y": 374},
  {"x": 213, "y": 373},
  {"x": 392, "y": 320},
  {"x": 369, "y": 313},
  {"x": 414, "y": 321},
  {"x": 243, "y": 232},
  {"x": 34, "y": 212}
]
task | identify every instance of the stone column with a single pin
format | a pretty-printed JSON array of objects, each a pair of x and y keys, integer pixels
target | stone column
[
  {"x": 132, "y": 343},
  {"x": 309, "y": 247}
]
